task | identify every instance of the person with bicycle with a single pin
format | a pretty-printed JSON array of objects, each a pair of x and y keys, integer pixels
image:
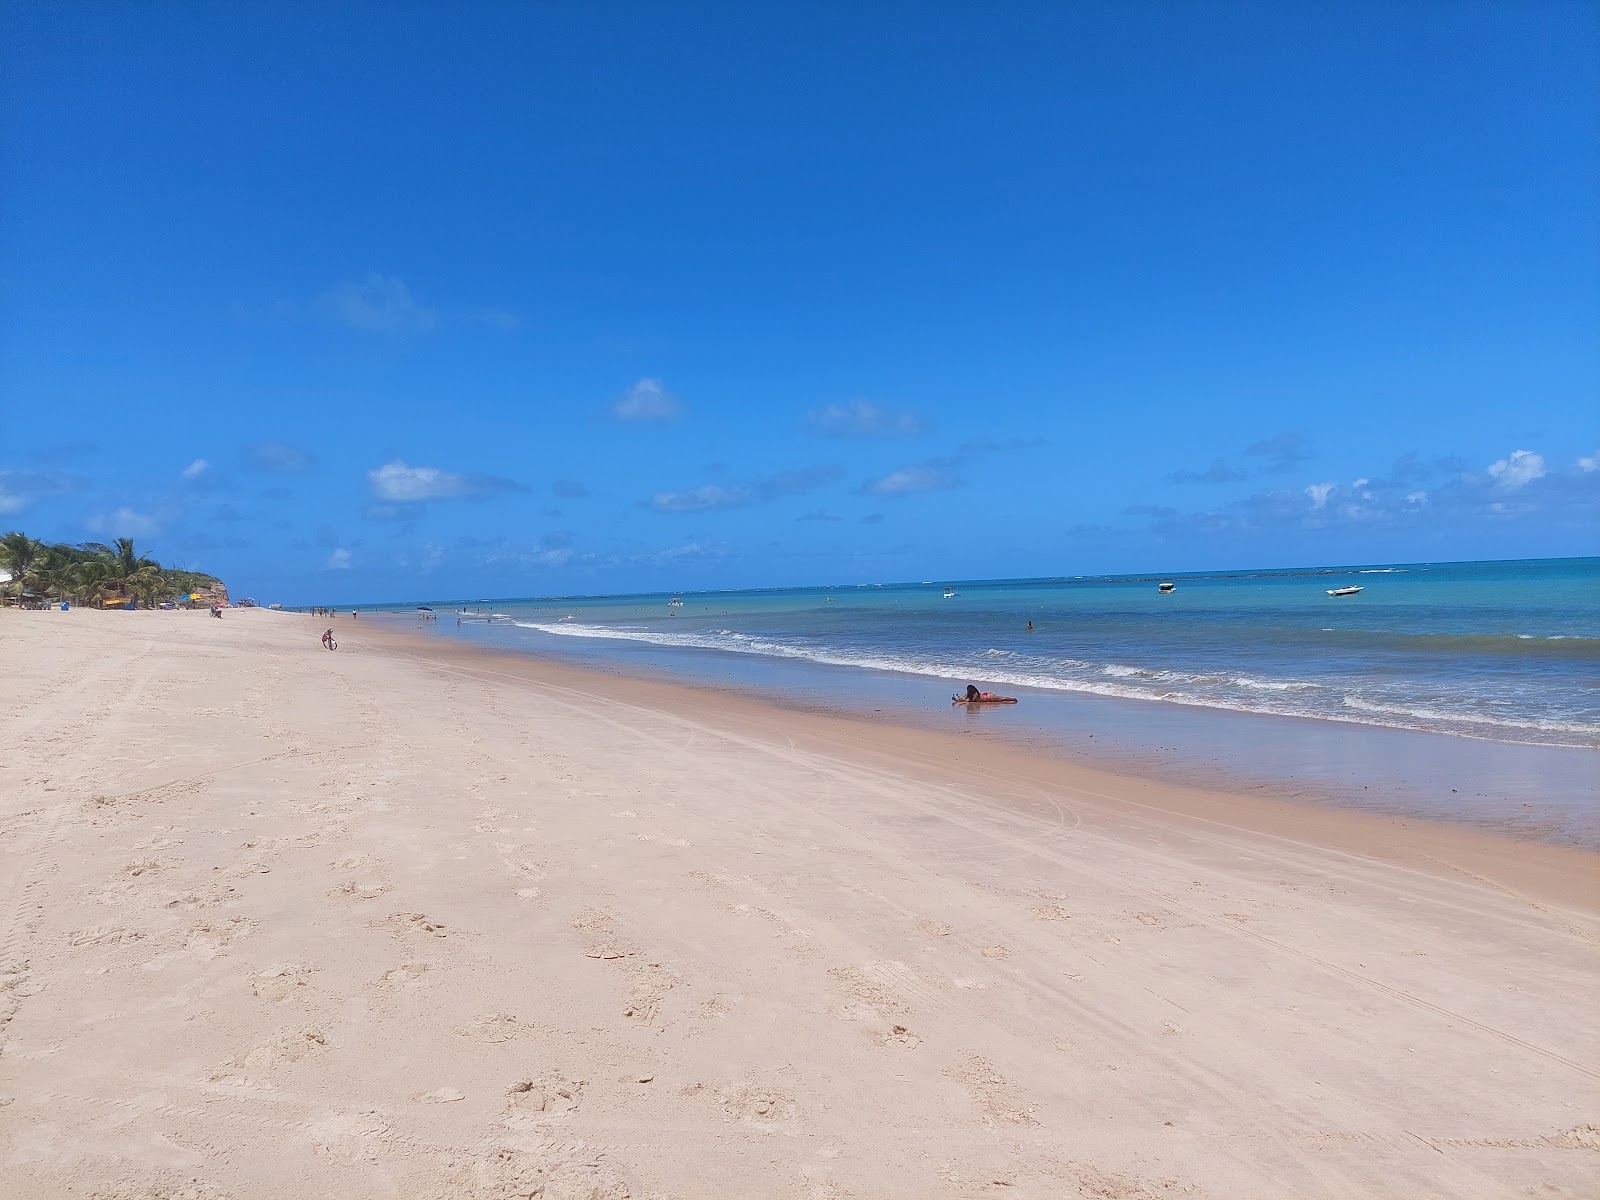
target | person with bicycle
[{"x": 327, "y": 641}]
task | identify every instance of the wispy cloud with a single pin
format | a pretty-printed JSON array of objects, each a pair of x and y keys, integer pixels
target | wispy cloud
[
  {"x": 817, "y": 514},
  {"x": 1517, "y": 470},
  {"x": 1413, "y": 490},
  {"x": 338, "y": 560},
  {"x": 123, "y": 522},
  {"x": 378, "y": 304},
  {"x": 569, "y": 489},
  {"x": 1282, "y": 451},
  {"x": 384, "y": 304},
  {"x": 20, "y": 489},
  {"x": 860, "y": 418},
  {"x": 647, "y": 400},
  {"x": 716, "y": 497},
  {"x": 1590, "y": 462},
  {"x": 279, "y": 458},
  {"x": 907, "y": 481},
  {"x": 710, "y": 497},
  {"x": 1218, "y": 472},
  {"x": 398, "y": 482},
  {"x": 195, "y": 469}
]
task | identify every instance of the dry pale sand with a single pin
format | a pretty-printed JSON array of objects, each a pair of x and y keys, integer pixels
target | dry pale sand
[{"x": 406, "y": 921}]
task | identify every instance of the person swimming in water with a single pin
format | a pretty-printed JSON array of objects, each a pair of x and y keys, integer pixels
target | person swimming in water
[{"x": 974, "y": 696}]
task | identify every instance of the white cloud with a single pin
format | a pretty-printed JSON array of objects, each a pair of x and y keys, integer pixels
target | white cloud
[
  {"x": 339, "y": 560},
  {"x": 908, "y": 480},
  {"x": 379, "y": 304},
  {"x": 196, "y": 469},
  {"x": 709, "y": 498},
  {"x": 10, "y": 503},
  {"x": 124, "y": 522},
  {"x": 401, "y": 483},
  {"x": 648, "y": 400},
  {"x": 1417, "y": 498},
  {"x": 1519, "y": 470},
  {"x": 861, "y": 419},
  {"x": 398, "y": 482},
  {"x": 1319, "y": 494},
  {"x": 1590, "y": 462}
]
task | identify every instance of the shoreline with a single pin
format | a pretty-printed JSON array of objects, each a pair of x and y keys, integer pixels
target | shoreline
[
  {"x": 419, "y": 920},
  {"x": 1563, "y": 873},
  {"x": 1525, "y": 789}
]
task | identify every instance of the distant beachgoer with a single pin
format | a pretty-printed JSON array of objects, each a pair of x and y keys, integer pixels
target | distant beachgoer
[
  {"x": 1030, "y": 626},
  {"x": 327, "y": 640}
]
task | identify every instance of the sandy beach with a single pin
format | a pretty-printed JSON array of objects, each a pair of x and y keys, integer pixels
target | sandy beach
[{"x": 419, "y": 920}]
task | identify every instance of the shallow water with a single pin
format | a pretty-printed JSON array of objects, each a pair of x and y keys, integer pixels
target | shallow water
[{"x": 1481, "y": 677}]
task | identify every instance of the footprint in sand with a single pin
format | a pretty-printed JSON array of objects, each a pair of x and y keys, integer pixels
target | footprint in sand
[
  {"x": 554, "y": 1170},
  {"x": 548, "y": 1096},
  {"x": 144, "y": 868},
  {"x": 160, "y": 1185},
  {"x": 103, "y": 935},
  {"x": 352, "y": 1137},
  {"x": 277, "y": 983},
  {"x": 444, "y": 1095},
  {"x": 496, "y": 1027},
  {"x": 996, "y": 952},
  {"x": 208, "y": 939},
  {"x": 751, "y": 1103},
  {"x": 933, "y": 928},
  {"x": 863, "y": 997},
  {"x": 289, "y": 1046},
  {"x": 403, "y": 923},
  {"x": 356, "y": 889},
  {"x": 604, "y": 940},
  {"x": 1000, "y": 1101},
  {"x": 352, "y": 863},
  {"x": 405, "y": 975},
  {"x": 209, "y": 898},
  {"x": 899, "y": 1035},
  {"x": 1052, "y": 912}
]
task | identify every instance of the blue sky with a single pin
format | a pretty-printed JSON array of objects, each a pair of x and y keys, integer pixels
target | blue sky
[{"x": 353, "y": 302}]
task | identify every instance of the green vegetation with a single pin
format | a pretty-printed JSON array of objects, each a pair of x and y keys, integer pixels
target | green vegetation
[{"x": 90, "y": 573}]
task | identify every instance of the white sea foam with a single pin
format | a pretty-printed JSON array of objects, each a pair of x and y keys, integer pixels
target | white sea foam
[
  {"x": 1229, "y": 692},
  {"x": 1422, "y": 713}
]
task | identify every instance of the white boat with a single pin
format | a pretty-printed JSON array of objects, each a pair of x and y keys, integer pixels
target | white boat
[
  {"x": 675, "y": 602},
  {"x": 950, "y": 593},
  {"x": 1166, "y": 587},
  {"x": 1344, "y": 591}
]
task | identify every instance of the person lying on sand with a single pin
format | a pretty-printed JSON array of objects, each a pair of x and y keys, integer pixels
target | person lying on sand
[{"x": 974, "y": 696}]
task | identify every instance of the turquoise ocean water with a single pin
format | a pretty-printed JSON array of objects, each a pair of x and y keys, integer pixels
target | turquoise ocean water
[
  {"x": 1508, "y": 651},
  {"x": 1465, "y": 690}
]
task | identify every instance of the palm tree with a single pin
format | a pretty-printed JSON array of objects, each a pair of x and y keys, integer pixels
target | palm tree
[
  {"x": 125, "y": 569},
  {"x": 89, "y": 580},
  {"x": 54, "y": 572},
  {"x": 20, "y": 555}
]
